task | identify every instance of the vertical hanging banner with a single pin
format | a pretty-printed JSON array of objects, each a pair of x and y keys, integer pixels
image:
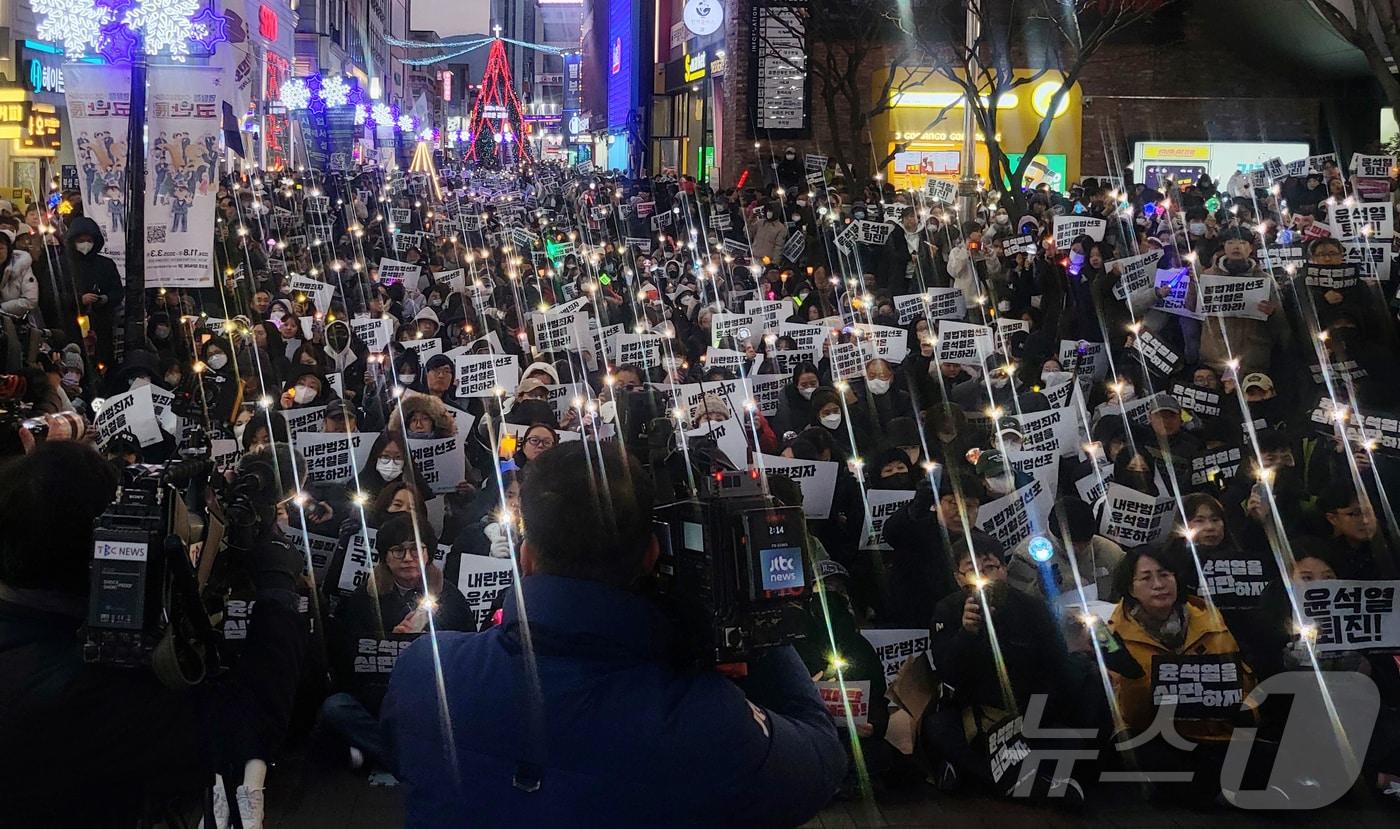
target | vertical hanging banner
[
  {"x": 181, "y": 175},
  {"x": 99, "y": 106}
]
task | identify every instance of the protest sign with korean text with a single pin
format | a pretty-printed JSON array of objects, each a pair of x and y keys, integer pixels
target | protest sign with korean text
[{"x": 817, "y": 480}]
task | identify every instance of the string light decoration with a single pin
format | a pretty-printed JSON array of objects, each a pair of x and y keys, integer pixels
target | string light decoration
[
  {"x": 295, "y": 94},
  {"x": 422, "y": 162},
  {"x": 166, "y": 26},
  {"x": 335, "y": 91},
  {"x": 497, "y": 115}
]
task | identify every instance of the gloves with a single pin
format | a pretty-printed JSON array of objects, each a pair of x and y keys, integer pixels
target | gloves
[
  {"x": 500, "y": 544},
  {"x": 923, "y": 498}
]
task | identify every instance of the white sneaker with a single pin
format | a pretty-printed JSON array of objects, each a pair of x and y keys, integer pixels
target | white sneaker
[
  {"x": 220, "y": 806},
  {"x": 250, "y": 806}
]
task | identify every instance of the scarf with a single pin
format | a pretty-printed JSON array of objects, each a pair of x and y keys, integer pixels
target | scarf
[{"x": 1171, "y": 632}]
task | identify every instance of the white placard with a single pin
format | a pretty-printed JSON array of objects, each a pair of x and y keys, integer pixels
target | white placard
[
  {"x": 1234, "y": 296},
  {"x": 964, "y": 343},
  {"x": 816, "y": 478},
  {"x": 133, "y": 412},
  {"x": 1133, "y": 518},
  {"x": 1069, "y": 228},
  {"x": 333, "y": 457},
  {"x": 479, "y": 375},
  {"x": 880, "y": 504},
  {"x": 439, "y": 462}
]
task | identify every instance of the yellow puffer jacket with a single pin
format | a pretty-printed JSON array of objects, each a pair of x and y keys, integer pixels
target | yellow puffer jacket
[{"x": 1206, "y": 634}]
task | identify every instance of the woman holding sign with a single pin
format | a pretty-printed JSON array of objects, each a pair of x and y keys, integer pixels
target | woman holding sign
[{"x": 1185, "y": 655}]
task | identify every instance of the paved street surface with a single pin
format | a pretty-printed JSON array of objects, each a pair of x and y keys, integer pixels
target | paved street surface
[{"x": 303, "y": 795}]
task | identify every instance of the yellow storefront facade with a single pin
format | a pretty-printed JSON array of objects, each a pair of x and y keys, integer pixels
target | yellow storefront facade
[{"x": 919, "y": 147}]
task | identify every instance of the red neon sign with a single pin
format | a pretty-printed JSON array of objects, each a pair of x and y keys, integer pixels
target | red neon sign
[{"x": 267, "y": 23}]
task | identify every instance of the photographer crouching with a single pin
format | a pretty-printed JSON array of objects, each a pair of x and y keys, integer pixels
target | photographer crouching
[
  {"x": 90, "y": 744},
  {"x": 572, "y": 711}
]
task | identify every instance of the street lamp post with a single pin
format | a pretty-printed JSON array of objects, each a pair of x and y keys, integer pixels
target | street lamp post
[
  {"x": 967, "y": 184},
  {"x": 134, "y": 315}
]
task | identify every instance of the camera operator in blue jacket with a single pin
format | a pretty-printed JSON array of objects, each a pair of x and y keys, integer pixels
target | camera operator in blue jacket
[{"x": 573, "y": 712}]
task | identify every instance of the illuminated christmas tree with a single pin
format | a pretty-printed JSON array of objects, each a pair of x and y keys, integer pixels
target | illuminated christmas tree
[{"x": 496, "y": 129}]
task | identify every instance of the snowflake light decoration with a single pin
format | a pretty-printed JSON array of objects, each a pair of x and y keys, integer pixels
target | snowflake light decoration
[
  {"x": 295, "y": 94},
  {"x": 381, "y": 114},
  {"x": 166, "y": 26},
  {"x": 335, "y": 91},
  {"x": 405, "y": 123},
  {"x": 215, "y": 27},
  {"x": 77, "y": 24},
  {"x": 361, "y": 114}
]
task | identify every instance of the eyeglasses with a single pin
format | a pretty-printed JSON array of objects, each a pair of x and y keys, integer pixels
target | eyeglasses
[
  {"x": 540, "y": 443},
  {"x": 404, "y": 551}
]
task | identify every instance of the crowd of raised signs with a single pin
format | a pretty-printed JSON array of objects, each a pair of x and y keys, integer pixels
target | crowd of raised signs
[{"x": 1122, "y": 420}]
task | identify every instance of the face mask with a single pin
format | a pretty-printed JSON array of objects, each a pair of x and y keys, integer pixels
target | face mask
[
  {"x": 801, "y": 202},
  {"x": 162, "y": 331},
  {"x": 172, "y": 379},
  {"x": 806, "y": 392},
  {"x": 71, "y": 379},
  {"x": 1127, "y": 392},
  {"x": 217, "y": 361},
  {"x": 1238, "y": 266},
  {"x": 1076, "y": 261},
  {"x": 790, "y": 156},
  {"x": 84, "y": 247},
  {"x": 388, "y": 468},
  {"x": 831, "y": 421},
  {"x": 1054, "y": 378},
  {"x": 769, "y": 214},
  {"x": 877, "y": 386},
  {"x": 420, "y": 435},
  {"x": 435, "y": 302},
  {"x": 1003, "y": 219},
  {"x": 1197, "y": 228},
  {"x": 896, "y": 482},
  {"x": 1000, "y": 382},
  {"x": 138, "y": 382},
  {"x": 407, "y": 379},
  {"x": 303, "y": 395}
]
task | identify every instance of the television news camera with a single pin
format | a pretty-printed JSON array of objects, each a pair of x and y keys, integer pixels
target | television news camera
[
  {"x": 735, "y": 561},
  {"x": 150, "y": 604}
]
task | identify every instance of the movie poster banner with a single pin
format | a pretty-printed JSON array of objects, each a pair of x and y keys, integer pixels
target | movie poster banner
[
  {"x": 99, "y": 106},
  {"x": 182, "y": 175}
]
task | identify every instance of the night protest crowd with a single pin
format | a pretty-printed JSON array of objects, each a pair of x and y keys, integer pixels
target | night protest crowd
[{"x": 1084, "y": 456}]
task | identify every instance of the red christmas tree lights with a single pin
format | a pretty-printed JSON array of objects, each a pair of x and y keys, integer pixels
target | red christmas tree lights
[{"x": 496, "y": 117}]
